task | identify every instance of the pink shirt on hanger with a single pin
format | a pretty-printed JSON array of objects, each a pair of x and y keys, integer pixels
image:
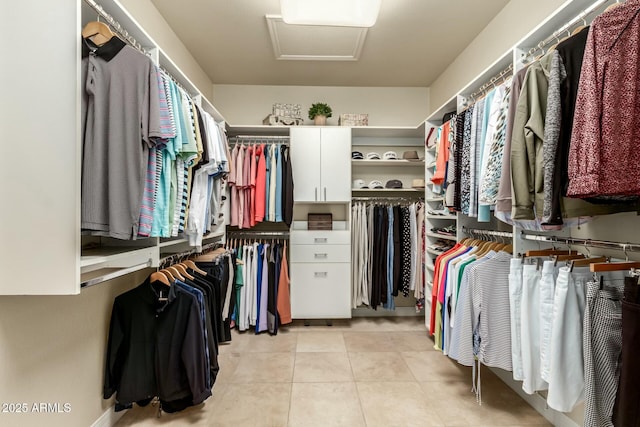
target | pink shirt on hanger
[
  {"x": 261, "y": 184},
  {"x": 246, "y": 173},
  {"x": 233, "y": 188},
  {"x": 253, "y": 178},
  {"x": 240, "y": 185}
]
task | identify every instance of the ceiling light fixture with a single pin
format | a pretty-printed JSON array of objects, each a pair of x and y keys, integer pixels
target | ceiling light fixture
[{"x": 339, "y": 13}]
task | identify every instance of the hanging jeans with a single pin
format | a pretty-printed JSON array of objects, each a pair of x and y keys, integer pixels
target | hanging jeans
[
  {"x": 627, "y": 408},
  {"x": 602, "y": 347}
]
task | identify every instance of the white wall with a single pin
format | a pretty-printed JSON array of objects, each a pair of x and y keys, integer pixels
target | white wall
[
  {"x": 53, "y": 351},
  {"x": 513, "y": 22},
  {"x": 157, "y": 27},
  {"x": 249, "y": 105}
]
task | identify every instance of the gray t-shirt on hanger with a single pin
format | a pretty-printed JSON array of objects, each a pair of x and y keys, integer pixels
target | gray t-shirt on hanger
[{"x": 120, "y": 118}]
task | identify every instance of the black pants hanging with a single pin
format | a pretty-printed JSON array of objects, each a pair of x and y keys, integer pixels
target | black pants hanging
[{"x": 627, "y": 408}]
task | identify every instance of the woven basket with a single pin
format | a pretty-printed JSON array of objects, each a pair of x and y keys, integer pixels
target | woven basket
[{"x": 353, "y": 120}]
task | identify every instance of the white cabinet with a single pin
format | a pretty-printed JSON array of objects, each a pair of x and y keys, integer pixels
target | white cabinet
[
  {"x": 321, "y": 160},
  {"x": 320, "y": 274},
  {"x": 41, "y": 148},
  {"x": 320, "y": 290}
]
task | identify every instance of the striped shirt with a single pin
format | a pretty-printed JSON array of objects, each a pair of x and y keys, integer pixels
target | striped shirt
[{"x": 491, "y": 311}]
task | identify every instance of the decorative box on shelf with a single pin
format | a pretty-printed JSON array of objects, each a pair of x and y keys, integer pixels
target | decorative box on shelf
[
  {"x": 353, "y": 120},
  {"x": 285, "y": 115},
  {"x": 320, "y": 221}
]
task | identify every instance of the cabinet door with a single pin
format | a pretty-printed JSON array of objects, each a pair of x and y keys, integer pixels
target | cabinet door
[
  {"x": 305, "y": 161},
  {"x": 320, "y": 291},
  {"x": 40, "y": 162},
  {"x": 335, "y": 160}
]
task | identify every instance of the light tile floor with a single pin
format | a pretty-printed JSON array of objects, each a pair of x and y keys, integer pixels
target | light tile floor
[{"x": 363, "y": 372}]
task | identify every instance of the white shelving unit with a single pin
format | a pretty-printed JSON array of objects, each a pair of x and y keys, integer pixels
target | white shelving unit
[
  {"x": 54, "y": 204},
  {"x": 512, "y": 57}
]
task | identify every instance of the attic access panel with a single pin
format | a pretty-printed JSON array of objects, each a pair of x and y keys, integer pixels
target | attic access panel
[{"x": 314, "y": 42}]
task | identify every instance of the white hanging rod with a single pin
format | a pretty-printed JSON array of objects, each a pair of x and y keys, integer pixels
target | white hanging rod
[
  {"x": 385, "y": 199},
  {"x": 237, "y": 234},
  {"x": 482, "y": 232},
  {"x": 495, "y": 80},
  {"x": 626, "y": 247},
  {"x": 115, "y": 25},
  {"x": 555, "y": 37},
  {"x": 502, "y": 75},
  {"x": 115, "y": 274},
  {"x": 171, "y": 259},
  {"x": 258, "y": 138}
]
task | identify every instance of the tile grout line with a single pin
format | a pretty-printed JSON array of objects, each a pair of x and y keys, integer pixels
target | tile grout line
[
  {"x": 293, "y": 372},
  {"x": 355, "y": 382}
]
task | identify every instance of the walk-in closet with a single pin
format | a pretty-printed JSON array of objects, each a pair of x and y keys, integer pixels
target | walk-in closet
[{"x": 320, "y": 213}]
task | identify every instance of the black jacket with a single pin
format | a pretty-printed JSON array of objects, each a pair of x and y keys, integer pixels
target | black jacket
[{"x": 156, "y": 348}]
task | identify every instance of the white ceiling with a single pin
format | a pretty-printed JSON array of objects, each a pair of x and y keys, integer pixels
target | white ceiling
[{"x": 411, "y": 44}]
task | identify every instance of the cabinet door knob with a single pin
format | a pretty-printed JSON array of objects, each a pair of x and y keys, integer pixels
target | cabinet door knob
[
  {"x": 320, "y": 274},
  {"x": 325, "y": 194},
  {"x": 320, "y": 240},
  {"x": 323, "y": 256},
  {"x": 316, "y": 194}
]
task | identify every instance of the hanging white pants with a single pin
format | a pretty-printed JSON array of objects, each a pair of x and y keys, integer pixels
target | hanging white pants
[
  {"x": 515, "y": 299},
  {"x": 530, "y": 329},
  {"x": 547, "y": 292},
  {"x": 566, "y": 362}
]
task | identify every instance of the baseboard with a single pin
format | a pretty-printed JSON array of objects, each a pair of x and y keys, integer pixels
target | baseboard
[
  {"x": 108, "y": 418},
  {"x": 539, "y": 403},
  {"x": 381, "y": 312}
]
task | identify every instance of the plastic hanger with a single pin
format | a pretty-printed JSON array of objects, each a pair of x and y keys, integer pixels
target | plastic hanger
[{"x": 98, "y": 32}]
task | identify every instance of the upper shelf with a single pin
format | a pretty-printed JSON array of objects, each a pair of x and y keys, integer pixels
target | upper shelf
[
  {"x": 356, "y": 131},
  {"x": 388, "y": 163}
]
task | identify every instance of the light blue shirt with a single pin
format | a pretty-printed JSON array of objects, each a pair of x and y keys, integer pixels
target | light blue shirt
[{"x": 267, "y": 147}]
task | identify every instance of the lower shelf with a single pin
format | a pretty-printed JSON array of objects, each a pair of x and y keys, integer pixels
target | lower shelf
[{"x": 442, "y": 236}]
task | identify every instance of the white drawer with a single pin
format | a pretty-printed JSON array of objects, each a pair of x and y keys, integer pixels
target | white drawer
[
  {"x": 320, "y": 237},
  {"x": 320, "y": 253},
  {"x": 320, "y": 291}
]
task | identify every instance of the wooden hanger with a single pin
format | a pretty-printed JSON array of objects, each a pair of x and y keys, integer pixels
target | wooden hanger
[
  {"x": 157, "y": 276},
  {"x": 597, "y": 267},
  {"x": 547, "y": 252},
  {"x": 98, "y": 32},
  {"x": 168, "y": 275},
  {"x": 175, "y": 273},
  {"x": 612, "y": 6},
  {"x": 508, "y": 249},
  {"x": 586, "y": 262},
  {"x": 568, "y": 257},
  {"x": 183, "y": 271},
  {"x": 192, "y": 265}
]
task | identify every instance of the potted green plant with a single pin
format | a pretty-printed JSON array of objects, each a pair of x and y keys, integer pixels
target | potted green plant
[{"x": 319, "y": 112}]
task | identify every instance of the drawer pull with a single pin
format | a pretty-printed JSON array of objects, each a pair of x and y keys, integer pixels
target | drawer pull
[
  {"x": 320, "y": 274},
  {"x": 322, "y": 256},
  {"x": 320, "y": 240}
]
